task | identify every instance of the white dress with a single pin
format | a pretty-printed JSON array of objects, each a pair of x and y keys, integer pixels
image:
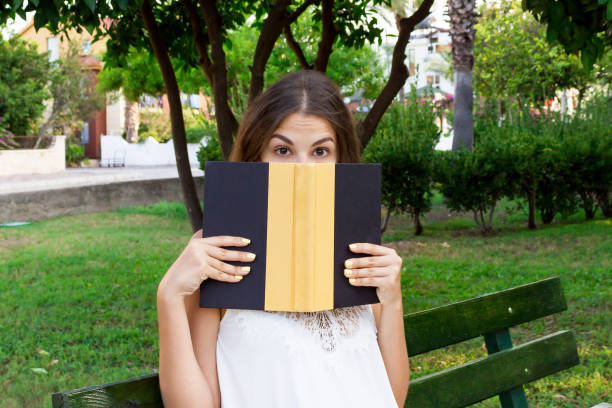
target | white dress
[{"x": 312, "y": 359}]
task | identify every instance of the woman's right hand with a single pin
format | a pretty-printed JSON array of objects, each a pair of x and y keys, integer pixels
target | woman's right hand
[{"x": 201, "y": 259}]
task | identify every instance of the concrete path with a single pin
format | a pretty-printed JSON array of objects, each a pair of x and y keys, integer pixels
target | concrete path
[{"x": 80, "y": 177}]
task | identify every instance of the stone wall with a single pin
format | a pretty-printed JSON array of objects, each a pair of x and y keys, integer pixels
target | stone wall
[{"x": 32, "y": 206}]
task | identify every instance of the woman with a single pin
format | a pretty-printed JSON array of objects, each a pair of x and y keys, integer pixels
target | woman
[{"x": 354, "y": 356}]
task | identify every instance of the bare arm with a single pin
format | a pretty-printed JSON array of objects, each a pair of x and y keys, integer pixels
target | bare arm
[
  {"x": 181, "y": 380},
  {"x": 187, "y": 334},
  {"x": 392, "y": 344},
  {"x": 383, "y": 271}
]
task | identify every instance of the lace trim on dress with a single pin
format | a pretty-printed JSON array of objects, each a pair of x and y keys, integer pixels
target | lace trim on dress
[{"x": 353, "y": 327}]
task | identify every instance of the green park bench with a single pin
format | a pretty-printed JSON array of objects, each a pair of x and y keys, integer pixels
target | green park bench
[{"x": 502, "y": 372}]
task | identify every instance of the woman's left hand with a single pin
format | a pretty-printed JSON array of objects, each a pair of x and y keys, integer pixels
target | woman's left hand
[{"x": 381, "y": 270}]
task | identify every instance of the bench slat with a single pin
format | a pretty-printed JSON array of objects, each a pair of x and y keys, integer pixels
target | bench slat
[
  {"x": 435, "y": 328},
  {"x": 138, "y": 392},
  {"x": 488, "y": 376}
]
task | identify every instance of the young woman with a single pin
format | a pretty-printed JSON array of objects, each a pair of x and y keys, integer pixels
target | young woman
[{"x": 347, "y": 357}]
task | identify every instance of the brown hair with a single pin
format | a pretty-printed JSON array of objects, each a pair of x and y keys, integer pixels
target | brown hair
[{"x": 308, "y": 92}]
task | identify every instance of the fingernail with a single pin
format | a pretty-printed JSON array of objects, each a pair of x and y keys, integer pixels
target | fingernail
[
  {"x": 348, "y": 272},
  {"x": 246, "y": 269},
  {"x": 238, "y": 277},
  {"x": 353, "y": 246},
  {"x": 251, "y": 256},
  {"x": 348, "y": 264},
  {"x": 246, "y": 240},
  {"x": 352, "y": 280}
]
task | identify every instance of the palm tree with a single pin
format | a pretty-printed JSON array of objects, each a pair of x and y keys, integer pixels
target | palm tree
[{"x": 462, "y": 16}]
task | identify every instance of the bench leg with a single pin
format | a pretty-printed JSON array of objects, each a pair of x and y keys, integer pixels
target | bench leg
[{"x": 498, "y": 341}]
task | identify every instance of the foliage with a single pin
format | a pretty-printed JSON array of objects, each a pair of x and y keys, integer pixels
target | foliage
[
  {"x": 211, "y": 148},
  {"x": 154, "y": 123},
  {"x": 474, "y": 180},
  {"x": 139, "y": 75},
  {"x": 23, "y": 79},
  {"x": 404, "y": 144},
  {"x": 74, "y": 153},
  {"x": 513, "y": 60},
  {"x": 586, "y": 149},
  {"x": 201, "y": 129},
  {"x": 583, "y": 27},
  {"x": 7, "y": 138}
]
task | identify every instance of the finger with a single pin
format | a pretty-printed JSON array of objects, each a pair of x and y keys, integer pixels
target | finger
[
  {"x": 375, "y": 281},
  {"x": 227, "y": 268},
  {"x": 230, "y": 255},
  {"x": 367, "y": 272},
  {"x": 368, "y": 248},
  {"x": 226, "y": 240},
  {"x": 216, "y": 274},
  {"x": 368, "y": 262}
]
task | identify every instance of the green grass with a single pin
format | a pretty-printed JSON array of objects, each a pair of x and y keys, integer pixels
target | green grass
[{"x": 78, "y": 294}]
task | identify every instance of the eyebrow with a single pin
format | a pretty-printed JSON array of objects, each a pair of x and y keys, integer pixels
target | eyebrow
[{"x": 288, "y": 141}]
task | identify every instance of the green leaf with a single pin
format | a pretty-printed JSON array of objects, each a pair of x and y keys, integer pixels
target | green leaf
[
  {"x": 17, "y": 3},
  {"x": 609, "y": 10},
  {"x": 40, "y": 19},
  {"x": 122, "y": 4},
  {"x": 91, "y": 4},
  {"x": 39, "y": 370}
]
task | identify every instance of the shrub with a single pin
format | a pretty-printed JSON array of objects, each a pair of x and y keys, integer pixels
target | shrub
[
  {"x": 404, "y": 144},
  {"x": 474, "y": 181},
  {"x": 74, "y": 153}
]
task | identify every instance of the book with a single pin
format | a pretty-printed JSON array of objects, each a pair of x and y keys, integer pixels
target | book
[{"x": 300, "y": 218}]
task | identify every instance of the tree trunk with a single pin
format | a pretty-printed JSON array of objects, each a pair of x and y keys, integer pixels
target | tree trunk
[
  {"x": 386, "y": 222},
  {"x": 132, "y": 118},
  {"x": 176, "y": 117},
  {"x": 418, "y": 227},
  {"x": 461, "y": 14},
  {"x": 531, "y": 198}
]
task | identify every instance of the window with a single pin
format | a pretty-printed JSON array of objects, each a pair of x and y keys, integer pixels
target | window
[
  {"x": 53, "y": 48},
  {"x": 437, "y": 79},
  {"x": 430, "y": 79},
  {"x": 86, "y": 47}
]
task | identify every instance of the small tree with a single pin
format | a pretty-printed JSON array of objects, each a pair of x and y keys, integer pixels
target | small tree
[{"x": 23, "y": 85}]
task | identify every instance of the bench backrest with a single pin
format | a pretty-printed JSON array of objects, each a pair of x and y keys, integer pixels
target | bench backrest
[
  {"x": 506, "y": 368},
  {"x": 502, "y": 372}
]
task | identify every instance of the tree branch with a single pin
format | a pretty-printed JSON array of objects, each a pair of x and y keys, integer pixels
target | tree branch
[
  {"x": 200, "y": 41},
  {"x": 295, "y": 47},
  {"x": 227, "y": 124},
  {"x": 298, "y": 11},
  {"x": 271, "y": 30},
  {"x": 328, "y": 35},
  {"x": 397, "y": 77}
]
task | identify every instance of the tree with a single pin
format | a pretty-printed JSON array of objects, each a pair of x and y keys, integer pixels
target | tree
[
  {"x": 462, "y": 15},
  {"x": 138, "y": 74},
  {"x": 73, "y": 97},
  {"x": 23, "y": 85},
  {"x": 197, "y": 33},
  {"x": 583, "y": 28},
  {"x": 514, "y": 62}
]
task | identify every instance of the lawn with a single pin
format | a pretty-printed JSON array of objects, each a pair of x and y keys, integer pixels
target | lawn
[{"x": 78, "y": 294}]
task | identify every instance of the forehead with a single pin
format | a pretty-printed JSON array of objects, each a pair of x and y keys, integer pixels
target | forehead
[{"x": 302, "y": 125}]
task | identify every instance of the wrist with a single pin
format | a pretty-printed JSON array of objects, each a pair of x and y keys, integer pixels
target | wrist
[{"x": 168, "y": 298}]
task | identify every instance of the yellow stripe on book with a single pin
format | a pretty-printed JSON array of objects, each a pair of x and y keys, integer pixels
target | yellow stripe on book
[
  {"x": 279, "y": 294},
  {"x": 300, "y": 239}
]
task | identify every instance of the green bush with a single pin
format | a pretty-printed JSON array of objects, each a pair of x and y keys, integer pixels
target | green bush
[
  {"x": 404, "y": 144},
  {"x": 74, "y": 153},
  {"x": 211, "y": 147},
  {"x": 474, "y": 181}
]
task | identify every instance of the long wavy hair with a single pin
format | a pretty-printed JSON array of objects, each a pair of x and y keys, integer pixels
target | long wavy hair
[{"x": 307, "y": 92}]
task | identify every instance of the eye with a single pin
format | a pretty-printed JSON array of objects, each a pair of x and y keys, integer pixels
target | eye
[
  {"x": 321, "y": 151},
  {"x": 282, "y": 151}
]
